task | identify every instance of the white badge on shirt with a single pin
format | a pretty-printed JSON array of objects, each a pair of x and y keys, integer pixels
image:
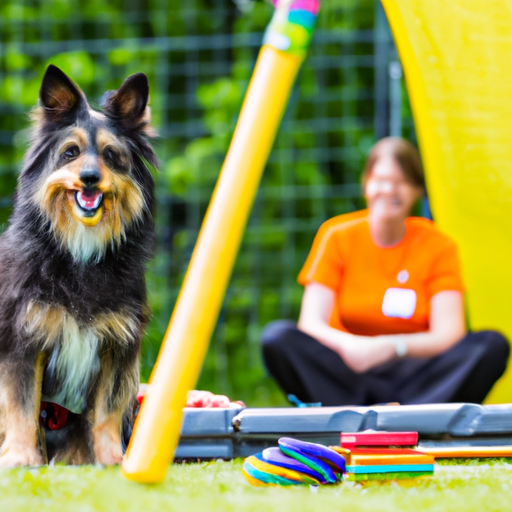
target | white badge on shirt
[{"x": 399, "y": 303}]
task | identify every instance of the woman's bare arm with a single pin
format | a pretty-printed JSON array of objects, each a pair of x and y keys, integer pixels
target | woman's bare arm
[{"x": 315, "y": 312}]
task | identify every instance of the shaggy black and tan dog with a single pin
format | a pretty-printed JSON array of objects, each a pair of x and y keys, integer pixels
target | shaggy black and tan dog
[{"x": 72, "y": 293}]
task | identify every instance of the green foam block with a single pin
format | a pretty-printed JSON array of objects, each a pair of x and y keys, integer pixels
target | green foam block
[
  {"x": 391, "y": 468},
  {"x": 359, "y": 477}
]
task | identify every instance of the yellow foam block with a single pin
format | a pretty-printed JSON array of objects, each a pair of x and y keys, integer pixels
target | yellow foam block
[{"x": 377, "y": 457}]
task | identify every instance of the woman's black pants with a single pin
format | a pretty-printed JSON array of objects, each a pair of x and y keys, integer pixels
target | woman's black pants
[{"x": 314, "y": 373}]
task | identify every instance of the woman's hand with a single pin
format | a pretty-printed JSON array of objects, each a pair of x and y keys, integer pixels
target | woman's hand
[
  {"x": 361, "y": 353},
  {"x": 195, "y": 398},
  {"x": 206, "y": 399}
]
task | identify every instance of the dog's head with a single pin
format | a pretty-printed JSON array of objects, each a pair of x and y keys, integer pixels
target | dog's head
[{"x": 86, "y": 174}]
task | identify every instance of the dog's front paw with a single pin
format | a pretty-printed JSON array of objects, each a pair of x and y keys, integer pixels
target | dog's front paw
[
  {"x": 16, "y": 457},
  {"x": 108, "y": 453},
  {"x": 107, "y": 443}
]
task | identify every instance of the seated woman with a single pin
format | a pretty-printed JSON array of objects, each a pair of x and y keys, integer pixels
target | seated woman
[{"x": 382, "y": 316}]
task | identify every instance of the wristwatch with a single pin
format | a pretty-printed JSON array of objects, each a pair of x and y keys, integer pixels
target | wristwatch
[{"x": 400, "y": 348}]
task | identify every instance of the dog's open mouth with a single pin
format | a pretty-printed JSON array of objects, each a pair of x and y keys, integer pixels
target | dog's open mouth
[
  {"x": 88, "y": 206},
  {"x": 89, "y": 202}
]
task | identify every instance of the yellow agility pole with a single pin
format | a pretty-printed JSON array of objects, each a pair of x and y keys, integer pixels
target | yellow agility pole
[
  {"x": 157, "y": 429},
  {"x": 456, "y": 58}
]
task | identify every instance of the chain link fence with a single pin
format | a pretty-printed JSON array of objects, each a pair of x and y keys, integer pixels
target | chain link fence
[{"x": 199, "y": 58}]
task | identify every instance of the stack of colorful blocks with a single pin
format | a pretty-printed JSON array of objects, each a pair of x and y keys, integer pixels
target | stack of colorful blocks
[
  {"x": 384, "y": 456},
  {"x": 293, "y": 463},
  {"x": 368, "y": 455}
]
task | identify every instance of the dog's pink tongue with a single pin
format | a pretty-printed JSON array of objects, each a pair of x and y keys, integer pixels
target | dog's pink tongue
[{"x": 89, "y": 200}]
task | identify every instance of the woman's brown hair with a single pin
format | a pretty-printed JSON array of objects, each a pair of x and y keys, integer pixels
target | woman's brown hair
[{"x": 403, "y": 152}]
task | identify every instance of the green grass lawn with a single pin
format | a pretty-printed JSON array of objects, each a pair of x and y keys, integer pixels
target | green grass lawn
[{"x": 484, "y": 485}]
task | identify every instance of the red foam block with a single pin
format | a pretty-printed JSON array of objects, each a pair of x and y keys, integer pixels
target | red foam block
[{"x": 373, "y": 438}]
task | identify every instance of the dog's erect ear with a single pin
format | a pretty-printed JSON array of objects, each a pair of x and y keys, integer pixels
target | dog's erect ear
[
  {"x": 59, "y": 96},
  {"x": 128, "y": 104}
]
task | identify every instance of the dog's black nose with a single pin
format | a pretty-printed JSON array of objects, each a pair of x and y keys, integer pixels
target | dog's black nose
[{"x": 90, "y": 177}]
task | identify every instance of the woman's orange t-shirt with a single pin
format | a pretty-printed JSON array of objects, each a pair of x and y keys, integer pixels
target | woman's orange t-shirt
[{"x": 382, "y": 290}]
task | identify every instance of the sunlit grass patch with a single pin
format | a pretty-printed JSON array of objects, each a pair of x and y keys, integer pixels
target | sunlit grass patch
[{"x": 478, "y": 485}]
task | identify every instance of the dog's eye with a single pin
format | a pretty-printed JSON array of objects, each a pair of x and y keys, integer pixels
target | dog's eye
[
  {"x": 112, "y": 157},
  {"x": 71, "y": 152}
]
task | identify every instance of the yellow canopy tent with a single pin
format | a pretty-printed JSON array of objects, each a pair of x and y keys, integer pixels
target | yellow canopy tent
[{"x": 457, "y": 56}]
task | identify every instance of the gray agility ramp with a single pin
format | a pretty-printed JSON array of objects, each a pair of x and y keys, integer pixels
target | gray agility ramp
[{"x": 230, "y": 433}]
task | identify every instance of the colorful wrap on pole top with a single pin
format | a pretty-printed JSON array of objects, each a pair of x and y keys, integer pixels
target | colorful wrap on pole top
[{"x": 292, "y": 26}]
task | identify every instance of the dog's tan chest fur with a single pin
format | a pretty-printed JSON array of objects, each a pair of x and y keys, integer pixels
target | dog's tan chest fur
[{"x": 73, "y": 348}]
